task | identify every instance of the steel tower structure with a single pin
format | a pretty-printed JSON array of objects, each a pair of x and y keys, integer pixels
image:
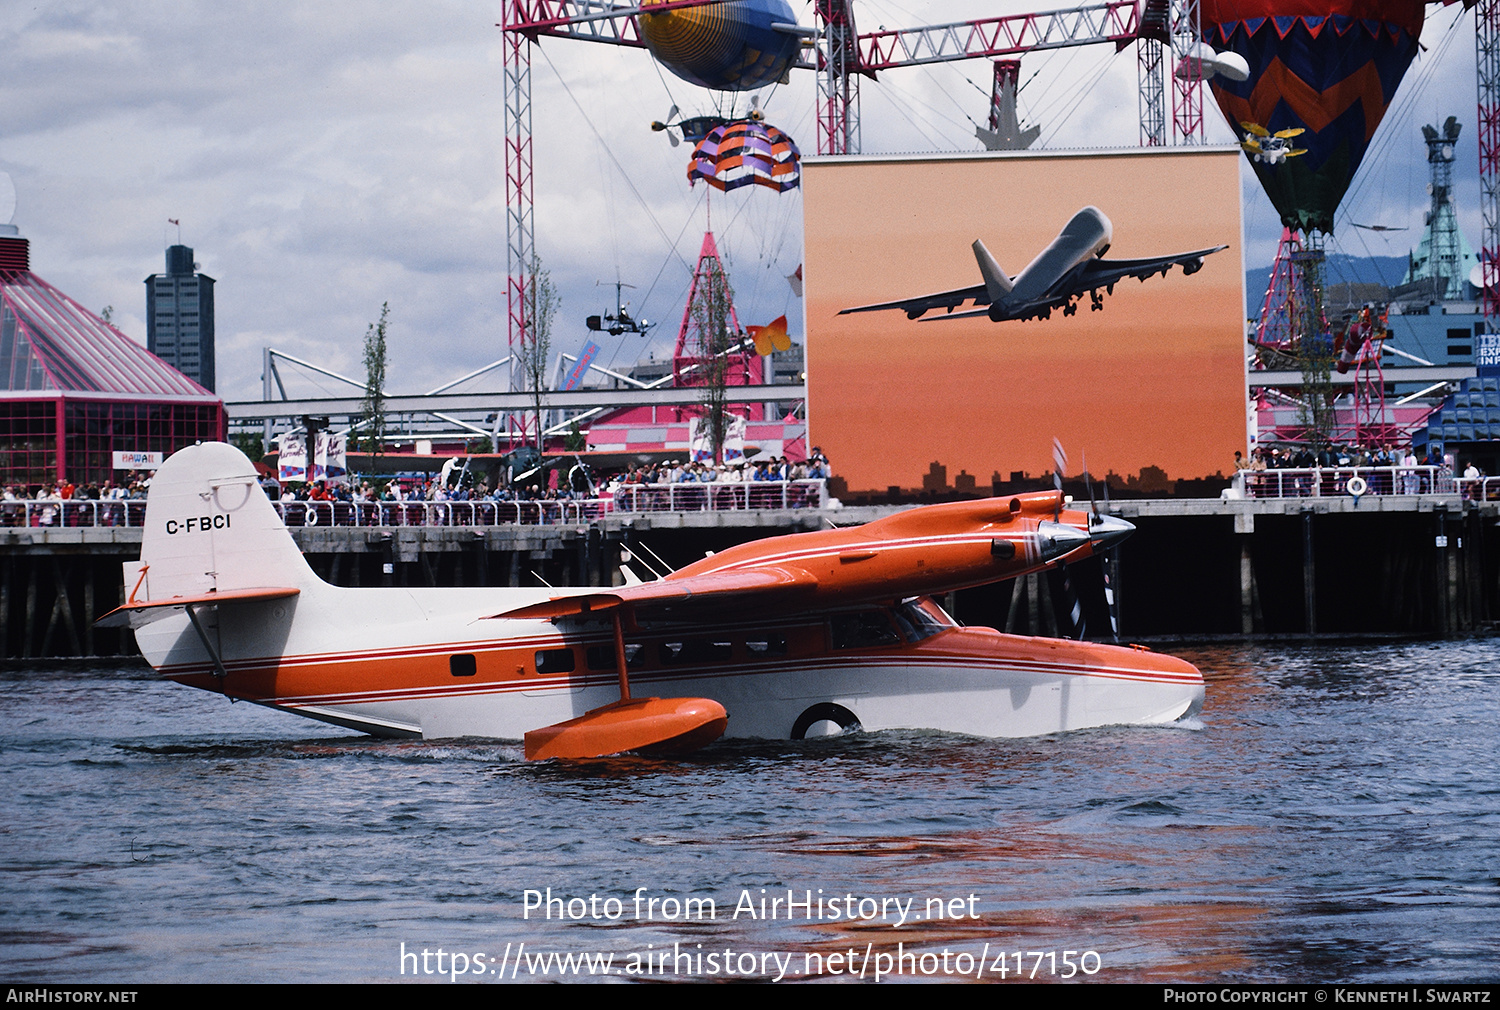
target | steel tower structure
[
  {"x": 842, "y": 57},
  {"x": 1487, "y": 46}
]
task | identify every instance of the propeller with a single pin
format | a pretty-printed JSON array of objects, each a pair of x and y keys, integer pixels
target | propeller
[
  {"x": 1111, "y": 531},
  {"x": 1075, "y": 606},
  {"x": 660, "y": 126}
]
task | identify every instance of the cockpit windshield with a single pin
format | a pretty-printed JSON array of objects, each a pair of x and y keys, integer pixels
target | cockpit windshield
[{"x": 921, "y": 618}]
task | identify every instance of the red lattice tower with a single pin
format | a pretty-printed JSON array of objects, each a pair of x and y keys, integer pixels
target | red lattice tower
[
  {"x": 694, "y": 349},
  {"x": 1487, "y": 43}
]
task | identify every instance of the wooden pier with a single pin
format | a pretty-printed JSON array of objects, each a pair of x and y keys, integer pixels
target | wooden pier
[{"x": 1331, "y": 566}]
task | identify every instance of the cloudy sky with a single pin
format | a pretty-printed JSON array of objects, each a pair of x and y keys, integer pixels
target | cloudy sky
[{"x": 325, "y": 159}]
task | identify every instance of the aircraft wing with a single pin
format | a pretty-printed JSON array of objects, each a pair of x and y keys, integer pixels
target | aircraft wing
[
  {"x": 914, "y": 307},
  {"x": 1098, "y": 273},
  {"x": 780, "y": 587},
  {"x": 919, "y": 552}
]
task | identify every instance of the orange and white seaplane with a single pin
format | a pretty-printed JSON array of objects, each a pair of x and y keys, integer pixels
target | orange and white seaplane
[{"x": 780, "y": 638}]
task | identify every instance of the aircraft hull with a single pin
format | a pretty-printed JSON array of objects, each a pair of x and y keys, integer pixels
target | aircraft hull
[{"x": 790, "y": 636}]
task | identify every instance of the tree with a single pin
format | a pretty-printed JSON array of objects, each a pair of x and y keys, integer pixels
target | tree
[
  {"x": 542, "y": 301},
  {"x": 374, "y": 399},
  {"x": 715, "y": 341}
]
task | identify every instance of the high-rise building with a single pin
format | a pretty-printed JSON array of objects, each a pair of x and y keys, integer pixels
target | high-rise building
[{"x": 180, "y": 317}]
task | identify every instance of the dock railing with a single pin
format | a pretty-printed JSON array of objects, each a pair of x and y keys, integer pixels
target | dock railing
[
  {"x": 722, "y": 496},
  {"x": 1331, "y": 481},
  {"x": 1479, "y": 488},
  {"x": 630, "y": 498}
]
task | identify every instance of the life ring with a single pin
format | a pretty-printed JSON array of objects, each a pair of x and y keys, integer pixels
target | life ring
[
  {"x": 825, "y": 711},
  {"x": 1356, "y": 486},
  {"x": 310, "y": 518}
]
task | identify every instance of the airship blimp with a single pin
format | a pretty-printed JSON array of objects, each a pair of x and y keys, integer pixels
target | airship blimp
[{"x": 739, "y": 45}]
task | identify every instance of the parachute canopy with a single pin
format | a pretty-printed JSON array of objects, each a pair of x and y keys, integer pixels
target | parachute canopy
[
  {"x": 1329, "y": 68},
  {"x": 745, "y": 152},
  {"x": 731, "y": 46}
]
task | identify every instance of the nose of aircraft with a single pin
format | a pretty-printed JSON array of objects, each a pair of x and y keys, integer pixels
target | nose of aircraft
[
  {"x": 1057, "y": 539},
  {"x": 1107, "y": 531}
]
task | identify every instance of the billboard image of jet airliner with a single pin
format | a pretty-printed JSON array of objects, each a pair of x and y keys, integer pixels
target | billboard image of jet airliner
[{"x": 1070, "y": 267}]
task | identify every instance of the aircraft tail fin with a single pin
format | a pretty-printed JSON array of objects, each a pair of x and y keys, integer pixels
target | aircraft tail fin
[
  {"x": 996, "y": 281},
  {"x": 209, "y": 528}
]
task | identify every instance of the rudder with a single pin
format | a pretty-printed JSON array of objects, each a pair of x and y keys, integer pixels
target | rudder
[{"x": 210, "y": 528}]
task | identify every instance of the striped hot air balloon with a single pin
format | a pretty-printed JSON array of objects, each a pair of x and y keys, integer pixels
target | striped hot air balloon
[
  {"x": 1326, "y": 68},
  {"x": 744, "y": 153}
]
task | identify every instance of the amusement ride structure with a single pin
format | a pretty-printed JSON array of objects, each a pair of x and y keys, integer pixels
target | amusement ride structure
[
  {"x": 1281, "y": 75},
  {"x": 1305, "y": 84},
  {"x": 746, "y": 44},
  {"x": 1306, "y": 136}
]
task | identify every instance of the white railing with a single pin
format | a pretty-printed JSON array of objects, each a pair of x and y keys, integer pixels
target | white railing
[
  {"x": 56, "y": 512},
  {"x": 722, "y": 496},
  {"x": 1479, "y": 488},
  {"x": 308, "y": 514},
  {"x": 685, "y": 497},
  {"x": 1331, "y": 481}
]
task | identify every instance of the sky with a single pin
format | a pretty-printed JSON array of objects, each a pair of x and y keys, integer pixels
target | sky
[{"x": 324, "y": 160}]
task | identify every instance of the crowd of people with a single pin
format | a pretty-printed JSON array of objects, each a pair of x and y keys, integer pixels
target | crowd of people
[
  {"x": 63, "y": 503},
  {"x": 778, "y": 468},
  {"x": 1389, "y": 471}
]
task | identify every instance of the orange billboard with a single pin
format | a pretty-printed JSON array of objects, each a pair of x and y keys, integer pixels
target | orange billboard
[{"x": 1153, "y": 380}]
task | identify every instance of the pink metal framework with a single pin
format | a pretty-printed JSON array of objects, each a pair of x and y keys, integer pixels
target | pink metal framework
[
  {"x": 843, "y": 55},
  {"x": 1187, "y": 86},
  {"x": 1154, "y": 30},
  {"x": 1370, "y": 426},
  {"x": 1281, "y": 309},
  {"x": 1007, "y": 75},
  {"x": 838, "y": 81},
  {"x": 520, "y": 231},
  {"x": 1015, "y": 35},
  {"x": 744, "y": 367},
  {"x": 1487, "y": 43}
]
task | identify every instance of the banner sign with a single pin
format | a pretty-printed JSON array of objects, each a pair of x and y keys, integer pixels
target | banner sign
[
  {"x": 575, "y": 377},
  {"x": 137, "y": 460},
  {"x": 1487, "y": 354},
  {"x": 293, "y": 461},
  {"x": 330, "y": 458}
]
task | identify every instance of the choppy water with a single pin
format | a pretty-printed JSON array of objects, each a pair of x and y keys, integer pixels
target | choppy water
[{"x": 1335, "y": 815}]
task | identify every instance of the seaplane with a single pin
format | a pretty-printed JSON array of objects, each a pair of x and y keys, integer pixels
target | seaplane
[
  {"x": 787, "y": 637},
  {"x": 1071, "y": 266}
]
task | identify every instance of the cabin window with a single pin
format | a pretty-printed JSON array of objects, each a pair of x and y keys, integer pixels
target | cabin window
[
  {"x": 696, "y": 650},
  {"x": 868, "y": 629},
  {"x": 763, "y": 646},
  {"x": 554, "y": 661},
  {"x": 462, "y": 665},
  {"x": 602, "y": 657}
]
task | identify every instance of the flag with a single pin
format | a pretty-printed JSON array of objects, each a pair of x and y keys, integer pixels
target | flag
[
  {"x": 581, "y": 366},
  {"x": 292, "y": 463},
  {"x": 770, "y": 337}
]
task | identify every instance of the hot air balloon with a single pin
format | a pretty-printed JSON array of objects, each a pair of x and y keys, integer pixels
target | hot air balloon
[
  {"x": 743, "y": 153},
  {"x": 1325, "y": 68},
  {"x": 739, "y": 45}
]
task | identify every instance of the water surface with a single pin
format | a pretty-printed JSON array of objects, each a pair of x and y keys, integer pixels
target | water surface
[{"x": 1333, "y": 815}]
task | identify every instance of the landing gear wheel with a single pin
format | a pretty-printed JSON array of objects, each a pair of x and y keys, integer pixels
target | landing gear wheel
[{"x": 821, "y": 720}]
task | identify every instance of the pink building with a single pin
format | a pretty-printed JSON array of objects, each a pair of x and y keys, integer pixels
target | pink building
[{"x": 76, "y": 390}]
